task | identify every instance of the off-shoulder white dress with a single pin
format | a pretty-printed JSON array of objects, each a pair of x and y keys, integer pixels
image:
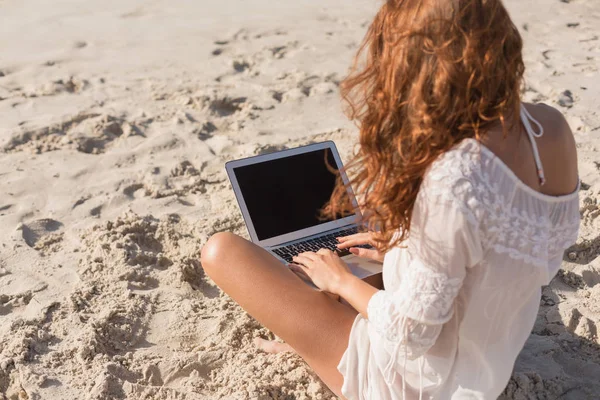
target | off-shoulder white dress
[{"x": 461, "y": 297}]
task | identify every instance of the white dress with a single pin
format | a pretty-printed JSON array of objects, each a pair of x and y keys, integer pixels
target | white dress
[{"x": 461, "y": 297}]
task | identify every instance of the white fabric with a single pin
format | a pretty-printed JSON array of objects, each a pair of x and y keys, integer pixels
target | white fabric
[{"x": 463, "y": 292}]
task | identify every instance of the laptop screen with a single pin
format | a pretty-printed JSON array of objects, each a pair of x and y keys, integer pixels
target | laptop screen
[{"x": 286, "y": 194}]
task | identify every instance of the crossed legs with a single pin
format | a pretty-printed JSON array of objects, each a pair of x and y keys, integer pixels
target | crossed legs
[{"x": 316, "y": 326}]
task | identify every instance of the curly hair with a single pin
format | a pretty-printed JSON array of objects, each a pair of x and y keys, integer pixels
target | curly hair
[{"x": 429, "y": 74}]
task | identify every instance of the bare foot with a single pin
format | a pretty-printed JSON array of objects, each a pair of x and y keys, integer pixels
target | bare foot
[{"x": 271, "y": 346}]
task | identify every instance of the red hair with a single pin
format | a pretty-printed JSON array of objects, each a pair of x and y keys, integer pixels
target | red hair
[{"x": 429, "y": 74}]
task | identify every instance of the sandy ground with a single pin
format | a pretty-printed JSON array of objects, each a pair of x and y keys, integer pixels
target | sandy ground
[{"x": 117, "y": 118}]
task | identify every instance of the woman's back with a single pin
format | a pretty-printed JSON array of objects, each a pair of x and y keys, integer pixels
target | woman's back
[
  {"x": 464, "y": 291},
  {"x": 556, "y": 147}
]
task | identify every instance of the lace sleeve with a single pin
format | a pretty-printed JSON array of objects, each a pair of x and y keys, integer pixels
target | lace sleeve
[
  {"x": 443, "y": 243},
  {"x": 414, "y": 314}
]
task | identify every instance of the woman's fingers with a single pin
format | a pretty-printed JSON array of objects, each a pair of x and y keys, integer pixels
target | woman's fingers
[
  {"x": 324, "y": 252},
  {"x": 308, "y": 255},
  {"x": 350, "y": 243},
  {"x": 360, "y": 236},
  {"x": 353, "y": 243},
  {"x": 354, "y": 240},
  {"x": 304, "y": 260},
  {"x": 366, "y": 253}
]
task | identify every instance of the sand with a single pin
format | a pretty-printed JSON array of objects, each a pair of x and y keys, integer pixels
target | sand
[{"x": 117, "y": 119}]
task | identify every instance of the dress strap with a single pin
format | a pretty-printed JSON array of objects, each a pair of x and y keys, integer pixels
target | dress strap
[{"x": 527, "y": 119}]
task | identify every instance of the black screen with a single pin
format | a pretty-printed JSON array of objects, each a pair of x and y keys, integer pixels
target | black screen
[{"x": 287, "y": 194}]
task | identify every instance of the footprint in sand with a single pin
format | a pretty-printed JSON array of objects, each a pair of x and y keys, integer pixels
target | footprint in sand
[
  {"x": 5, "y": 208},
  {"x": 103, "y": 132},
  {"x": 36, "y": 230},
  {"x": 70, "y": 85},
  {"x": 206, "y": 131},
  {"x": 89, "y": 133},
  {"x": 130, "y": 190},
  {"x": 96, "y": 211},
  {"x": 80, "y": 201},
  {"x": 43, "y": 235},
  {"x": 241, "y": 66},
  {"x": 223, "y": 43},
  {"x": 184, "y": 180},
  {"x": 226, "y": 106},
  {"x": 279, "y": 52},
  {"x": 9, "y": 303},
  {"x": 245, "y": 63},
  {"x": 296, "y": 86},
  {"x": 220, "y": 50}
]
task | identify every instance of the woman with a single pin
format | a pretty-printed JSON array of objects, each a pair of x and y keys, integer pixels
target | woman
[{"x": 475, "y": 196}]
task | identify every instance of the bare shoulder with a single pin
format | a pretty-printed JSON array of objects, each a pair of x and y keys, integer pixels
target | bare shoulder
[
  {"x": 557, "y": 146},
  {"x": 554, "y": 122}
]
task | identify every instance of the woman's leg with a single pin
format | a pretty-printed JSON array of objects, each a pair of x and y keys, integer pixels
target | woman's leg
[{"x": 313, "y": 324}]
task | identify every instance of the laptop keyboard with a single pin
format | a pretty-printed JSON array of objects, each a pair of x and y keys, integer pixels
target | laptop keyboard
[{"x": 315, "y": 244}]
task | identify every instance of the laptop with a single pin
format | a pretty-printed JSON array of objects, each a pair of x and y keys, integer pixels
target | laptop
[{"x": 280, "y": 196}]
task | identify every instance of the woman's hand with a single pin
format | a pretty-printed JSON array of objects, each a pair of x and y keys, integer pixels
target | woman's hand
[
  {"x": 358, "y": 239},
  {"x": 324, "y": 268}
]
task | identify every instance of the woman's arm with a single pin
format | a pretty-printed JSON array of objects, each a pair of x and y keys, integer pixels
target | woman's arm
[
  {"x": 356, "y": 292},
  {"x": 331, "y": 274}
]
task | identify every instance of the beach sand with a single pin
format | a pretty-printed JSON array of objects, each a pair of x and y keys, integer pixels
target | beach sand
[{"x": 117, "y": 119}]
